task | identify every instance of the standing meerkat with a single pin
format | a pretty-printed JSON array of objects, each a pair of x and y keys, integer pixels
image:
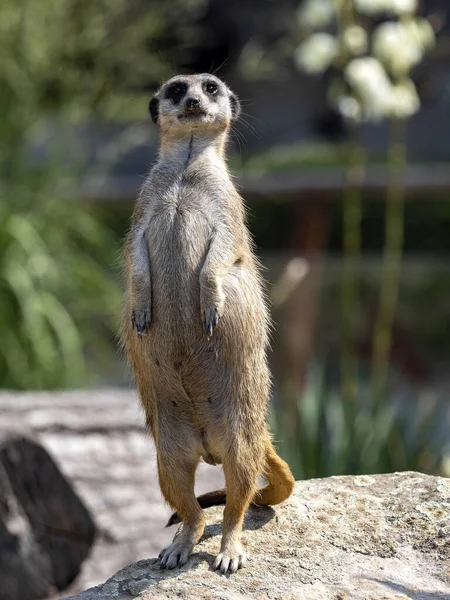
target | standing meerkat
[{"x": 196, "y": 324}]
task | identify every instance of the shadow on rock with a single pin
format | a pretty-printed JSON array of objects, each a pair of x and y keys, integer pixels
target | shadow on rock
[
  {"x": 255, "y": 518},
  {"x": 414, "y": 594},
  {"x": 258, "y": 516}
]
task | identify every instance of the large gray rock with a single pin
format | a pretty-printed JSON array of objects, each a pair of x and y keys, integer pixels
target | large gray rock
[
  {"x": 45, "y": 530},
  {"x": 366, "y": 538}
]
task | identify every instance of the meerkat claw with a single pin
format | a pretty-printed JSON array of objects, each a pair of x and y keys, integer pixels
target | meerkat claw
[
  {"x": 175, "y": 555},
  {"x": 141, "y": 321},
  {"x": 228, "y": 564},
  {"x": 210, "y": 322}
]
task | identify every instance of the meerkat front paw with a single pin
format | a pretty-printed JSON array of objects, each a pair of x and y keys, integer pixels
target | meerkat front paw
[
  {"x": 211, "y": 303},
  {"x": 230, "y": 559},
  {"x": 210, "y": 319},
  {"x": 140, "y": 318}
]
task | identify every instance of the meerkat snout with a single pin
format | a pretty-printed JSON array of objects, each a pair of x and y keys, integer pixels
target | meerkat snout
[{"x": 192, "y": 103}]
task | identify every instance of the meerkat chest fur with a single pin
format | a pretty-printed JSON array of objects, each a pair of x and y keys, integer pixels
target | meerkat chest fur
[
  {"x": 191, "y": 197},
  {"x": 190, "y": 179}
]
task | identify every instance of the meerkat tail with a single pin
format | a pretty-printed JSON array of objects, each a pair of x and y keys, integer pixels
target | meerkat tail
[
  {"x": 279, "y": 477},
  {"x": 279, "y": 487}
]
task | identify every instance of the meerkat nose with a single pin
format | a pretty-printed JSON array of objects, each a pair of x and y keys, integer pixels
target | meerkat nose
[{"x": 192, "y": 102}]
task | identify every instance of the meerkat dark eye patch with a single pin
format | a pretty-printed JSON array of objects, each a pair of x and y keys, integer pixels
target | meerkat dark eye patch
[
  {"x": 176, "y": 91},
  {"x": 235, "y": 106},
  {"x": 153, "y": 109}
]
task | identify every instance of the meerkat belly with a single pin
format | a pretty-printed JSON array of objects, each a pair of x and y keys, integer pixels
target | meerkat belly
[{"x": 178, "y": 243}]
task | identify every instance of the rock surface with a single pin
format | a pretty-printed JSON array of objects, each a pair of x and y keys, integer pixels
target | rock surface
[{"x": 365, "y": 538}]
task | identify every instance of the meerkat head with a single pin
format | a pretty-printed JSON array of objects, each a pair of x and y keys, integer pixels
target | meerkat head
[{"x": 194, "y": 102}]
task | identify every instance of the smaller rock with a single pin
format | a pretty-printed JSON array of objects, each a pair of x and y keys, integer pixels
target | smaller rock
[{"x": 45, "y": 530}]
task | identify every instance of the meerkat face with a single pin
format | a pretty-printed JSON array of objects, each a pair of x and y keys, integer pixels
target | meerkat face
[{"x": 194, "y": 102}]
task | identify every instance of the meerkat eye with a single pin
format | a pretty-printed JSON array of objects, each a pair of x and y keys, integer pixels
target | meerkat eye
[
  {"x": 176, "y": 91},
  {"x": 211, "y": 88}
]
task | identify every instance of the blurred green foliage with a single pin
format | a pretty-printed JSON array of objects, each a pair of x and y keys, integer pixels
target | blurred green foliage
[
  {"x": 71, "y": 57},
  {"x": 320, "y": 434},
  {"x": 57, "y": 296},
  {"x": 63, "y": 62}
]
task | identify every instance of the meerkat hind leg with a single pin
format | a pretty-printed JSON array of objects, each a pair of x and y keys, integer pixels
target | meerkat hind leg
[
  {"x": 240, "y": 488},
  {"x": 177, "y": 478}
]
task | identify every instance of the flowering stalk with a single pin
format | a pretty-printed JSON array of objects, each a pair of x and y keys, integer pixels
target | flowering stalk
[
  {"x": 392, "y": 260},
  {"x": 351, "y": 225},
  {"x": 370, "y": 71}
]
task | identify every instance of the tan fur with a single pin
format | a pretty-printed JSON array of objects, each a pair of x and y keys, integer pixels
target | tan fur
[{"x": 194, "y": 283}]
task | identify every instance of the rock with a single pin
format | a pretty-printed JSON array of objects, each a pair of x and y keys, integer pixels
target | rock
[
  {"x": 342, "y": 538},
  {"x": 98, "y": 440},
  {"x": 45, "y": 530}
]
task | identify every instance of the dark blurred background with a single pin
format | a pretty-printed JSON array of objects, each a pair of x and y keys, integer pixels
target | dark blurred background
[{"x": 350, "y": 215}]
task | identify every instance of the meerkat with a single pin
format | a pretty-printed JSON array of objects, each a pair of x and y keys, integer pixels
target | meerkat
[{"x": 196, "y": 324}]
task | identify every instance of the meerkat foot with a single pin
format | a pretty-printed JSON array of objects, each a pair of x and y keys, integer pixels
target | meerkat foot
[
  {"x": 230, "y": 559},
  {"x": 141, "y": 320},
  {"x": 175, "y": 555}
]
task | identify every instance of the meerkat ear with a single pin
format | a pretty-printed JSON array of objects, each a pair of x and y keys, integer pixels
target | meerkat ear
[
  {"x": 235, "y": 106},
  {"x": 153, "y": 108}
]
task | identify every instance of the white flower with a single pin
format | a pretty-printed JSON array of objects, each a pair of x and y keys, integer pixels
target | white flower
[
  {"x": 317, "y": 53},
  {"x": 405, "y": 101},
  {"x": 341, "y": 101},
  {"x": 421, "y": 32},
  {"x": 316, "y": 14},
  {"x": 371, "y": 85},
  {"x": 401, "y": 7},
  {"x": 396, "y": 48},
  {"x": 378, "y": 98},
  {"x": 376, "y": 7},
  {"x": 354, "y": 38},
  {"x": 349, "y": 108},
  {"x": 371, "y": 7}
]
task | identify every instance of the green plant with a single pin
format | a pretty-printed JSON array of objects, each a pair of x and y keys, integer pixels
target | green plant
[
  {"x": 58, "y": 294},
  {"x": 62, "y": 64},
  {"x": 370, "y": 438},
  {"x": 392, "y": 260}
]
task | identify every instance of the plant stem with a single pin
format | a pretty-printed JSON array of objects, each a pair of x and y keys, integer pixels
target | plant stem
[
  {"x": 392, "y": 260},
  {"x": 352, "y": 247}
]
